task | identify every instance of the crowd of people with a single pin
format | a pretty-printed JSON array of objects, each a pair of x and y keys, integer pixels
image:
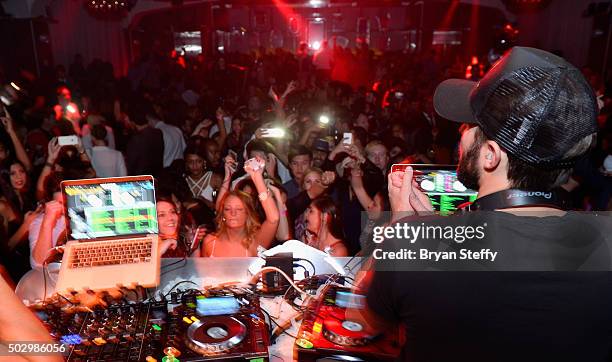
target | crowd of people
[{"x": 248, "y": 150}]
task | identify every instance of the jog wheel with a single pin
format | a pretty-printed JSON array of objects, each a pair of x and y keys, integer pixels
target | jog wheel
[
  {"x": 346, "y": 333},
  {"x": 214, "y": 335}
]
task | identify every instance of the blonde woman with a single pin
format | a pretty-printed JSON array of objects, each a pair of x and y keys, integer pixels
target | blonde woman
[{"x": 239, "y": 233}]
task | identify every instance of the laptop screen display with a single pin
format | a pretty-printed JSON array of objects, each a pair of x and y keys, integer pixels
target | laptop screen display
[{"x": 108, "y": 209}]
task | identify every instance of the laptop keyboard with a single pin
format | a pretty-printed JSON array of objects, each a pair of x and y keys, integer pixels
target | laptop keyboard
[{"x": 132, "y": 251}]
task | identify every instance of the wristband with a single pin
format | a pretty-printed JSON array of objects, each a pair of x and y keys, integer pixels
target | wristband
[
  {"x": 49, "y": 164},
  {"x": 263, "y": 196}
]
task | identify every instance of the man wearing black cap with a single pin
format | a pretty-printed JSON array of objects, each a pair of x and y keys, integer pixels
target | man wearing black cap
[{"x": 526, "y": 122}]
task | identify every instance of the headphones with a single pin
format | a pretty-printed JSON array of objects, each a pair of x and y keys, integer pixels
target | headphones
[{"x": 506, "y": 199}]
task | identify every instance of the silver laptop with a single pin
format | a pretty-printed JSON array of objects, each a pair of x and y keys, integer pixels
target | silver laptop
[{"x": 112, "y": 230}]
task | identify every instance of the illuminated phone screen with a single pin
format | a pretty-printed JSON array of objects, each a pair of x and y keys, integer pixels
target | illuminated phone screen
[{"x": 441, "y": 185}]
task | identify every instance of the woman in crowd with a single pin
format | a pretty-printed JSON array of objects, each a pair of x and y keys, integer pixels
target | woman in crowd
[
  {"x": 17, "y": 207},
  {"x": 323, "y": 229},
  {"x": 201, "y": 182},
  {"x": 17, "y": 198},
  {"x": 237, "y": 138},
  {"x": 177, "y": 239},
  {"x": 239, "y": 233},
  {"x": 315, "y": 184}
]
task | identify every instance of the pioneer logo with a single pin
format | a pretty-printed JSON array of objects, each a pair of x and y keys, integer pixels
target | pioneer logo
[{"x": 546, "y": 195}]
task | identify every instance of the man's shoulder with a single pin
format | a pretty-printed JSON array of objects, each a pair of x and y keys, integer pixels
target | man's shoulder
[{"x": 175, "y": 131}]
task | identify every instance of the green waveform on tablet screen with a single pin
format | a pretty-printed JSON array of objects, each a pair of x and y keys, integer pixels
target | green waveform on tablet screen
[{"x": 447, "y": 204}]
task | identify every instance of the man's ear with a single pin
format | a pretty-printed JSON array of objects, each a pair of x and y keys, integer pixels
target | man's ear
[{"x": 491, "y": 155}]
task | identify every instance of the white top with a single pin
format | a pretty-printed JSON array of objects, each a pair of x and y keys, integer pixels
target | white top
[
  {"x": 88, "y": 143},
  {"x": 107, "y": 162},
  {"x": 34, "y": 230},
  {"x": 201, "y": 188},
  {"x": 174, "y": 143}
]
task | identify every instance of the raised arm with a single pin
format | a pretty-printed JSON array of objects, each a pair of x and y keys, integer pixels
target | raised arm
[
  {"x": 44, "y": 242},
  {"x": 372, "y": 205},
  {"x": 20, "y": 152},
  {"x": 221, "y": 124},
  {"x": 269, "y": 226},
  {"x": 82, "y": 154},
  {"x": 280, "y": 109},
  {"x": 53, "y": 152},
  {"x": 230, "y": 168},
  {"x": 314, "y": 128},
  {"x": 284, "y": 231}
]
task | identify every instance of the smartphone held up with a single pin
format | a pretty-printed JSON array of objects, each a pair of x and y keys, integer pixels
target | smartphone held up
[
  {"x": 347, "y": 138},
  {"x": 68, "y": 140},
  {"x": 324, "y": 120},
  {"x": 272, "y": 132}
]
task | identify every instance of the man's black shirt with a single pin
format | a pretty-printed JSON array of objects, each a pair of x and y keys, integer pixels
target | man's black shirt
[
  {"x": 145, "y": 152},
  {"x": 510, "y": 315}
]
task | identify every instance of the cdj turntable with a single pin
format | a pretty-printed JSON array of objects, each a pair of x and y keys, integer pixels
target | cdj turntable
[
  {"x": 327, "y": 335},
  {"x": 218, "y": 329}
]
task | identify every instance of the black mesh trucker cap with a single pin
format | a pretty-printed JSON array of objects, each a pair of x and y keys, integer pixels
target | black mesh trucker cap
[{"x": 534, "y": 104}]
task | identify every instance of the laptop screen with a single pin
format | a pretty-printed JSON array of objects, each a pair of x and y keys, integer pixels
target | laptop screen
[{"x": 110, "y": 207}]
